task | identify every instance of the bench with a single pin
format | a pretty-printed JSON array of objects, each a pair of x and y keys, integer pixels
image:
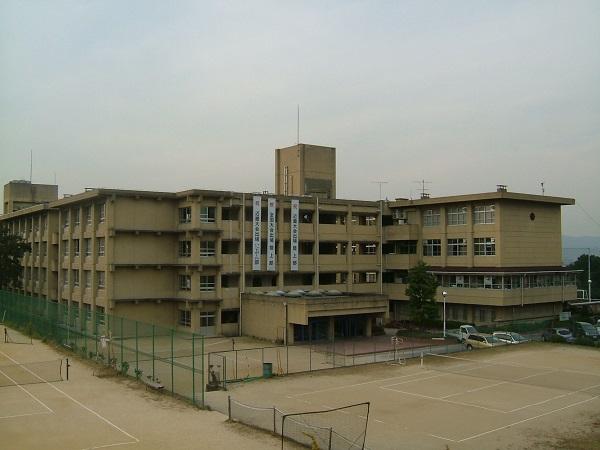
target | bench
[{"x": 156, "y": 385}]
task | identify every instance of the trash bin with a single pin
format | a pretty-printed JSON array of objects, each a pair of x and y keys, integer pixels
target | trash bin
[{"x": 267, "y": 370}]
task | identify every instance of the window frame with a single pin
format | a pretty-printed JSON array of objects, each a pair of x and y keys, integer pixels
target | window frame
[
  {"x": 457, "y": 247},
  {"x": 430, "y": 246},
  {"x": 456, "y": 215},
  {"x": 431, "y": 217}
]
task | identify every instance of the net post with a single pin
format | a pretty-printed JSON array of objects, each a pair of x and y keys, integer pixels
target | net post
[
  {"x": 67, "y": 366},
  {"x": 421, "y": 359},
  {"x": 274, "y": 421},
  {"x": 172, "y": 367},
  {"x": 282, "y": 428},
  {"x": 122, "y": 342},
  {"x": 236, "y": 364},
  {"x": 153, "y": 332},
  {"x": 137, "y": 356},
  {"x": 229, "y": 406},
  {"x": 287, "y": 360}
]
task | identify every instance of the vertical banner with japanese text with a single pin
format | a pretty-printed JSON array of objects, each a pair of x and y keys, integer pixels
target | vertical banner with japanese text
[
  {"x": 256, "y": 219},
  {"x": 294, "y": 242},
  {"x": 272, "y": 232}
]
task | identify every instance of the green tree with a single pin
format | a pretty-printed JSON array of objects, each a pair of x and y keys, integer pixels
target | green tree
[
  {"x": 582, "y": 277},
  {"x": 421, "y": 291},
  {"x": 12, "y": 249}
]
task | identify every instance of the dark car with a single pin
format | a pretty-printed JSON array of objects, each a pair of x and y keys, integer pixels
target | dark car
[
  {"x": 557, "y": 334},
  {"x": 585, "y": 330}
]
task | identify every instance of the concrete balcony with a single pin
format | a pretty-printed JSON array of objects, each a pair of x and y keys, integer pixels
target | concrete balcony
[
  {"x": 396, "y": 291},
  {"x": 365, "y": 288},
  {"x": 404, "y": 232},
  {"x": 400, "y": 262},
  {"x": 365, "y": 233},
  {"x": 365, "y": 262},
  {"x": 333, "y": 232},
  {"x": 333, "y": 262}
]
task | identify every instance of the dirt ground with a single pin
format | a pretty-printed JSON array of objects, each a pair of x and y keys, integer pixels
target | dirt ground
[
  {"x": 89, "y": 412},
  {"x": 532, "y": 396}
]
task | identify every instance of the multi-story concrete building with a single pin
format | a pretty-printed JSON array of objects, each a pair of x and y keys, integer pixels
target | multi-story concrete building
[{"x": 188, "y": 258}]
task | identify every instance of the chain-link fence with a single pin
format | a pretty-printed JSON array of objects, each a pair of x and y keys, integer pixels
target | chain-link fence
[{"x": 160, "y": 357}]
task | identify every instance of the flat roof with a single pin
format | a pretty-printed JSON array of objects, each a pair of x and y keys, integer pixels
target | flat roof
[{"x": 496, "y": 195}]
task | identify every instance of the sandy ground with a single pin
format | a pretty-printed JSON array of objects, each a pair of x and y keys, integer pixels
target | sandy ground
[{"x": 90, "y": 412}]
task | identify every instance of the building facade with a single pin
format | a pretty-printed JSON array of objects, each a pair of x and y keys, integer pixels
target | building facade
[{"x": 186, "y": 259}]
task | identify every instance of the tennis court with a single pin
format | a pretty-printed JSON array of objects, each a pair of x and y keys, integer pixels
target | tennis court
[
  {"x": 500, "y": 398},
  {"x": 40, "y": 408}
]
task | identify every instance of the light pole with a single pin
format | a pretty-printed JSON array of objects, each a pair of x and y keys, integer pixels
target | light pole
[
  {"x": 285, "y": 330},
  {"x": 589, "y": 275},
  {"x": 444, "y": 293}
]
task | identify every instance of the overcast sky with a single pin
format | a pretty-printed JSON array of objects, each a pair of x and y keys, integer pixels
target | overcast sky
[{"x": 177, "y": 95}]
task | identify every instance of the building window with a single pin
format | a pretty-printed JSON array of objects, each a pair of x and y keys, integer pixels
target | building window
[
  {"x": 457, "y": 215},
  {"x": 101, "y": 279},
  {"x": 87, "y": 278},
  {"x": 87, "y": 246},
  {"x": 431, "y": 217},
  {"x": 405, "y": 247},
  {"x": 66, "y": 248},
  {"x": 185, "y": 318},
  {"x": 101, "y": 212},
  {"x": 207, "y": 248},
  {"x": 185, "y": 249},
  {"x": 88, "y": 215},
  {"x": 230, "y": 316},
  {"x": 65, "y": 275},
  {"x": 371, "y": 277},
  {"x": 207, "y": 283},
  {"x": 76, "y": 278},
  {"x": 484, "y": 246},
  {"x": 76, "y": 219},
  {"x": 432, "y": 247},
  {"x": 185, "y": 282},
  {"x": 457, "y": 247},
  {"x": 370, "y": 220},
  {"x": 66, "y": 220},
  {"x": 207, "y": 319},
  {"x": 370, "y": 249},
  {"x": 100, "y": 246},
  {"x": 185, "y": 215},
  {"x": 485, "y": 214},
  {"x": 76, "y": 247},
  {"x": 207, "y": 214}
]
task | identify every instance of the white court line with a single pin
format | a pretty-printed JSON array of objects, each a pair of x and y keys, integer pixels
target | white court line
[
  {"x": 135, "y": 440},
  {"x": 25, "y": 415},
  {"x": 528, "y": 419},
  {"x": 445, "y": 401},
  {"x": 357, "y": 384},
  {"x": 25, "y": 390},
  {"x": 554, "y": 398}
]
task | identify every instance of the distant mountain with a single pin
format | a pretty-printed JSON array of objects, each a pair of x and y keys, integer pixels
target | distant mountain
[{"x": 573, "y": 246}]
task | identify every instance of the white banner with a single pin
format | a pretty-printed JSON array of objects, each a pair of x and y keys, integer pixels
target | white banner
[
  {"x": 256, "y": 218},
  {"x": 294, "y": 242},
  {"x": 272, "y": 232}
]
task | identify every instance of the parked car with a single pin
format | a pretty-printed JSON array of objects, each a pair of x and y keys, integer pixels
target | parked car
[
  {"x": 585, "y": 329},
  {"x": 462, "y": 332},
  {"x": 482, "y": 341},
  {"x": 598, "y": 325},
  {"x": 560, "y": 333},
  {"x": 510, "y": 337}
]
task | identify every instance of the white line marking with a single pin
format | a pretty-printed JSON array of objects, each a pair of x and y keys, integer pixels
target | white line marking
[
  {"x": 25, "y": 415},
  {"x": 76, "y": 401},
  {"x": 553, "y": 398},
  {"x": 357, "y": 384},
  {"x": 111, "y": 445},
  {"x": 377, "y": 420},
  {"x": 528, "y": 419},
  {"x": 443, "y": 438},
  {"x": 446, "y": 401},
  {"x": 25, "y": 390}
]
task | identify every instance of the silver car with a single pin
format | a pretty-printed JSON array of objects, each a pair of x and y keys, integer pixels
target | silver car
[{"x": 510, "y": 337}]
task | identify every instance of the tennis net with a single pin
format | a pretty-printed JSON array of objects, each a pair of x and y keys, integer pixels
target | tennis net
[
  {"x": 546, "y": 377},
  {"x": 31, "y": 373}
]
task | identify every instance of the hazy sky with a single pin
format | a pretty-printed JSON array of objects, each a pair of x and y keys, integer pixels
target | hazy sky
[{"x": 174, "y": 95}]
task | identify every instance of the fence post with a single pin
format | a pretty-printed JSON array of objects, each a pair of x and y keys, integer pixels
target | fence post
[
  {"x": 153, "y": 352},
  {"x": 122, "y": 337},
  {"x": 137, "y": 357},
  {"x": 274, "y": 421},
  {"x": 287, "y": 360},
  {"x": 309, "y": 357},
  {"x": 282, "y": 433},
  {"x": 172, "y": 361},
  {"x": 229, "y": 406},
  {"x": 193, "y": 372},
  {"x": 236, "y": 365},
  {"x": 202, "y": 387}
]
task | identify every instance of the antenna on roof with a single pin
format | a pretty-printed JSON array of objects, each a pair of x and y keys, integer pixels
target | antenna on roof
[
  {"x": 543, "y": 190},
  {"x": 424, "y": 193},
  {"x": 380, "y": 183},
  {"x": 298, "y": 126}
]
